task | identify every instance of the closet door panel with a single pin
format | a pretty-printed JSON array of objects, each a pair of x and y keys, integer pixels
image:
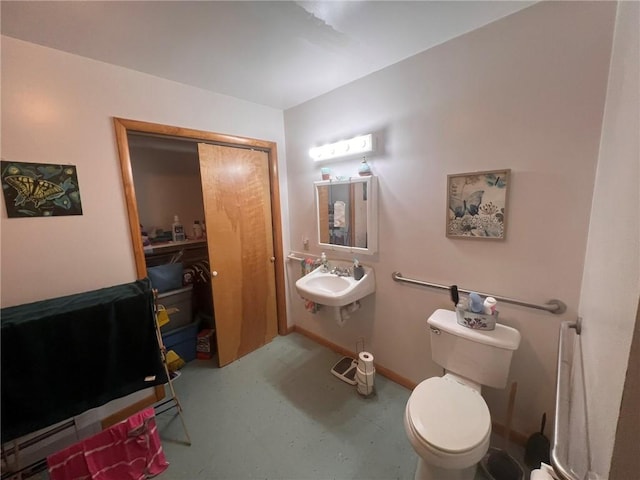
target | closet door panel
[{"x": 237, "y": 203}]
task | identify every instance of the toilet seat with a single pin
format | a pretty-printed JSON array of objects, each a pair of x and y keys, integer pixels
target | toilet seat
[{"x": 448, "y": 416}]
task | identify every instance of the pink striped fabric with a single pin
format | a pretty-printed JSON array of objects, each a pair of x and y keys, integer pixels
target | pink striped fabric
[{"x": 129, "y": 450}]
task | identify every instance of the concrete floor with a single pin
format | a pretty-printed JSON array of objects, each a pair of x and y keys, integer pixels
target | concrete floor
[{"x": 279, "y": 413}]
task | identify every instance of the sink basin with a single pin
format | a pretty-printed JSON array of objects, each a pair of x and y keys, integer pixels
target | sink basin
[{"x": 329, "y": 289}]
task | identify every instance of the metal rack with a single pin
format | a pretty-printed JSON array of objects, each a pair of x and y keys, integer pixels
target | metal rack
[
  {"x": 24, "y": 455},
  {"x": 13, "y": 469},
  {"x": 557, "y": 307},
  {"x": 172, "y": 402}
]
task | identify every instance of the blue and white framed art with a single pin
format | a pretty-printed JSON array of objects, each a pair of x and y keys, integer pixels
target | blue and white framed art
[{"x": 477, "y": 204}]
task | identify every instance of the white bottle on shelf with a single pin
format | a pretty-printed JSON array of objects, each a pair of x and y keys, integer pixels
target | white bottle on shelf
[
  {"x": 197, "y": 230},
  {"x": 177, "y": 230}
]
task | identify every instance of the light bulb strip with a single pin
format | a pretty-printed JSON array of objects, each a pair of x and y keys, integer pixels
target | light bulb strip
[{"x": 354, "y": 146}]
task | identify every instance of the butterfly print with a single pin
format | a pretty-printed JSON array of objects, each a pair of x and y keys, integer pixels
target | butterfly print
[
  {"x": 467, "y": 204},
  {"x": 34, "y": 190}
]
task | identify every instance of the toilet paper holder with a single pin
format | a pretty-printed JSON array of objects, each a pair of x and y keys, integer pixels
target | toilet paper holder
[{"x": 358, "y": 371}]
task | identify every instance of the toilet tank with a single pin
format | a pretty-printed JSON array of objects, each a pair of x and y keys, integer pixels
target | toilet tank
[{"x": 482, "y": 356}]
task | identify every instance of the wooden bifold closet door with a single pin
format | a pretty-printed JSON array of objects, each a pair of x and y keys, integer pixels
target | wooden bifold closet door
[{"x": 237, "y": 204}]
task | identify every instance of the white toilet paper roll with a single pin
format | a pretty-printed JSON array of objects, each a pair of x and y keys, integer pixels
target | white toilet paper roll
[
  {"x": 538, "y": 474},
  {"x": 361, "y": 376},
  {"x": 364, "y": 389},
  {"x": 370, "y": 370},
  {"x": 365, "y": 362}
]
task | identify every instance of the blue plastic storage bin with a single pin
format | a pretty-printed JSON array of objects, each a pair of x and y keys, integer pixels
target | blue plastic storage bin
[
  {"x": 166, "y": 277},
  {"x": 182, "y": 341}
]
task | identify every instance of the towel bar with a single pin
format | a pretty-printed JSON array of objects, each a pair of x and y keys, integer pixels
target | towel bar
[
  {"x": 299, "y": 257},
  {"x": 561, "y": 423}
]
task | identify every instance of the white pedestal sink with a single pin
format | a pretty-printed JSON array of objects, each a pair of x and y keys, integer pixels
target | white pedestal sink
[{"x": 326, "y": 288}]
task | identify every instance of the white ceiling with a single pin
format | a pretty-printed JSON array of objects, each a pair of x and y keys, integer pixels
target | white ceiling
[{"x": 276, "y": 53}]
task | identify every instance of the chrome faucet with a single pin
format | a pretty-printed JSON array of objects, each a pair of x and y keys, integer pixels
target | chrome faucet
[{"x": 341, "y": 272}]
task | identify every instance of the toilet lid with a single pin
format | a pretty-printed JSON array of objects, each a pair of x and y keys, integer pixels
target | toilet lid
[{"x": 448, "y": 415}]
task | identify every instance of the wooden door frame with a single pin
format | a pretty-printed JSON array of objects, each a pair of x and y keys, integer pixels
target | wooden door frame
[{"x": 124, "y": 126}]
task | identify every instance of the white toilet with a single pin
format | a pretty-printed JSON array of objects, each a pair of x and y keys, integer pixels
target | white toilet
[{"x": 446, "y": 419}]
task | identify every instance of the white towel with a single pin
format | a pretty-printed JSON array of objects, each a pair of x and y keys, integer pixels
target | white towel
[{"x": 338, "y": 214}]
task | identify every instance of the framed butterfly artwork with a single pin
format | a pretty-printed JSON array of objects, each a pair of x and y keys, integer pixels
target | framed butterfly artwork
[
  {"x": 40, "y": 189},
  {"x": 477, "y": 204}
]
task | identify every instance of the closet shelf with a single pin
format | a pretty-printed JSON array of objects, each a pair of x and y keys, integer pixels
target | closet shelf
[
  {"x": 165, "y": 246},
  {"x": 187, "y": 252}
]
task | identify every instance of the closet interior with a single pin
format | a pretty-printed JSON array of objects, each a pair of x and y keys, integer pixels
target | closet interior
[{"x": 168, "y": 190}]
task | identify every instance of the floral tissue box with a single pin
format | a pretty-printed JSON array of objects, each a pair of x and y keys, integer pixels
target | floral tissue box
[{"x": 476, "y": 321}]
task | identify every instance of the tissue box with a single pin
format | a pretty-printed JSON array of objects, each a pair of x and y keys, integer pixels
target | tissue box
[{"x": 476, "y": 321}]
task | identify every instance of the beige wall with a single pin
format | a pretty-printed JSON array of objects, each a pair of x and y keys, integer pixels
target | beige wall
[
  {"x": 527, "y": 93},
  {"x": 611, "y": 282},
  {"x": 167, "y": 183},
  {"x": 58, "y": 108}
]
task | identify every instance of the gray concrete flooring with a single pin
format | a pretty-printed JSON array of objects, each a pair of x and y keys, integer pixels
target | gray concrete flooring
[{"x": 279, "y": 413}]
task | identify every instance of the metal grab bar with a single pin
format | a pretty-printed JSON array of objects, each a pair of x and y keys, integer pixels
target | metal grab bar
[
  {"x": 561, "y": 422},
  {"x": 554, "y": 306}
]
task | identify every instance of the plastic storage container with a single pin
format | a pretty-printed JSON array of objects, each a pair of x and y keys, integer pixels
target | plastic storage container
[
  {"x": 182, "y": 300},
  {"x": 166, "y": 277},
  {"x": 182, "y": 341},
  {"x": 476, "y": 321}
]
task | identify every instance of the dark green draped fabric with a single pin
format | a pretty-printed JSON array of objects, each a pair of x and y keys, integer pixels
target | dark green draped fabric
[{"x": 63, "y": 356}]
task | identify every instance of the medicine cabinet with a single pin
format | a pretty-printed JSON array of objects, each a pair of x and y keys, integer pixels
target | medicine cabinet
[{"x": 347, "y": 213}]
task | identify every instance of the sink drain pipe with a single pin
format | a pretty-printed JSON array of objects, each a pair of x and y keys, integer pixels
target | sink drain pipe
[{"x": 342, "y": 314}]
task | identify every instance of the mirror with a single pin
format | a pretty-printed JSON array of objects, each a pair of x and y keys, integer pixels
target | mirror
[{"x": 347, "y": 214}]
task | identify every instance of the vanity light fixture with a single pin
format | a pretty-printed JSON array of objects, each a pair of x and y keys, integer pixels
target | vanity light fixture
[{"x": 354, "y": 146}]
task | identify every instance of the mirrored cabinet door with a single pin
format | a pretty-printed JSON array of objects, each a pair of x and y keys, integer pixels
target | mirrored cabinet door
[{"x": 347, "y": 214}]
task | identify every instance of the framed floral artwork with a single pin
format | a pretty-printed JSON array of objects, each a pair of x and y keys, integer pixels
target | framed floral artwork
[{"x": 477, "y": 204}]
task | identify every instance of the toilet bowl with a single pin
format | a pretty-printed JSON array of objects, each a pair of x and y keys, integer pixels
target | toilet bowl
[
  {"x": 446, "y": 419},
  {"x": 449, "y": 426}
]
